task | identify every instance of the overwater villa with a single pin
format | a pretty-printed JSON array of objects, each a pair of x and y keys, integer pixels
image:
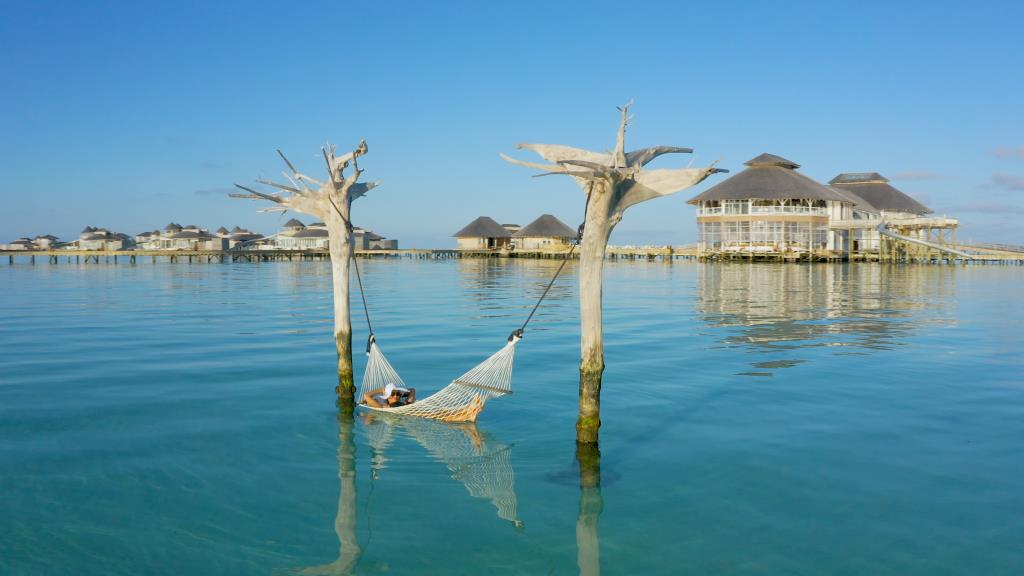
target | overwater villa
[
  {"x": 544, "y": 233},
  {"x": 772, "y": 210},
  {"x": 484, "y": 233},
  {"x": 178, "y": 237},
  {"x": 47, "y": 242},
  {"x": 295, "y": 235},
  {"x": 876, "y": 201},
  {"x": 100, "y": 239}
]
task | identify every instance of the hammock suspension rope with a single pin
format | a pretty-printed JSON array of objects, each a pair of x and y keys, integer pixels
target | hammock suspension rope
[{"x": 464, "y": 398}]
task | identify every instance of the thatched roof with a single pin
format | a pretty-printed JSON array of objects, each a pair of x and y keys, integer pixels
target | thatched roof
[
  {"x": 769, "y": 177},
  {"x": 547, "y": 226},
  {"x": 293, "y": 223},
  {"x": 858, "y": 202},
  {"x": 876, "y": 190},
  {"x": 483, "y": 227},
  {"x": 767, "y": 159},
  {"x": 191, "y": 235}
]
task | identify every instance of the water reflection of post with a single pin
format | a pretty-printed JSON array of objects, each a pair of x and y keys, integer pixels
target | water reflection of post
[
  {"x": 588, "y": 550},
  {"x": 349, "y": 551}
]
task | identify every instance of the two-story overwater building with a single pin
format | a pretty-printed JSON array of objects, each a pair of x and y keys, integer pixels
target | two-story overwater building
[{"x": 771, "y": 209}]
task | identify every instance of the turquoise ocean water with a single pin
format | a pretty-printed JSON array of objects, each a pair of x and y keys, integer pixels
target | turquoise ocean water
[{"x": 758, "y": 419}]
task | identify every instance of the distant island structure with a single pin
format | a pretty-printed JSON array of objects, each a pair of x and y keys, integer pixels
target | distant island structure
[
  {"x": 297, "y": 236},
  {"x": 770, "y": 210},
  {"x": 546, "y": 233},
  {"x": 293, "y": 236}
]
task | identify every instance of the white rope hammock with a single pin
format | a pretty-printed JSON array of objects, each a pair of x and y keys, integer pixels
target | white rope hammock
[{"x": 460, "y": 401}]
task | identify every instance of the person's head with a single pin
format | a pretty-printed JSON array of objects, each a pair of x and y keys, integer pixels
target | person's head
[{"x": 395, "y": 397}]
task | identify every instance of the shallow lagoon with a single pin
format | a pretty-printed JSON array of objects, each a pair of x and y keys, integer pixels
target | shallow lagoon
[{"x": 758, "y": 419}]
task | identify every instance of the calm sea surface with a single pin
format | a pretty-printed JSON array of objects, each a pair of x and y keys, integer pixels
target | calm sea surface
[{"x": 758, "y": 419}]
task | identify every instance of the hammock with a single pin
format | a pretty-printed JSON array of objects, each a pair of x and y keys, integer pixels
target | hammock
[
  {"x": 460, "y": 401},
  {"x": 464, "y": 398}
]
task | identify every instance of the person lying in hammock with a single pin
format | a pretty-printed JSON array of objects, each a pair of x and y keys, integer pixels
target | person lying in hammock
[{"x": 390, "y": 396}]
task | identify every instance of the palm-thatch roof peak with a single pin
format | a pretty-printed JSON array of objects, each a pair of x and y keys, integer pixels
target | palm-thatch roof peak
[
  {"x": 767, "y": 159},
  {"x": 547, "y": 226},
  {"x": 769, "y": 177},
  {"x": 483, "y": 227}
]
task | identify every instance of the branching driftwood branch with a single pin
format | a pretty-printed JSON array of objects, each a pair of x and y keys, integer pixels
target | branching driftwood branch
[
  {"x": 331, "y": 202},
  {"x": 613, "y": 181}
]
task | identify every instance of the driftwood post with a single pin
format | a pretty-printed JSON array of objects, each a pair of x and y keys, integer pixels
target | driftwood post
[
  {"x": 330, "y": 201},
  {"x": 612, "y": 181}
]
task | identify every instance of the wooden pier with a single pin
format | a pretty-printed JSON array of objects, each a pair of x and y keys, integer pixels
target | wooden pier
[
  {"x": 988, "y": 254},
  {"x": 226, "y": 256}
]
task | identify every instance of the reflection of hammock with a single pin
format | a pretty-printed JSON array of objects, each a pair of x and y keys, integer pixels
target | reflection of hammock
[
  {"x": 459, "y": 401},
  {"x": 479, "y": 463}
]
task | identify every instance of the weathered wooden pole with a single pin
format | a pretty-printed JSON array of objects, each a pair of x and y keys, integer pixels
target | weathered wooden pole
[
  {"x": 612, "y": 181},
  {"x": 331, "y": 202}
]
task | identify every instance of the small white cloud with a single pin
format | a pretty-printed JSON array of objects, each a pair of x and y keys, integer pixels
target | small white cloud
[
  {"x": 1008, "y": 152},
  {"x": 989, "y": 208},
  {"x": 220, "y": 191},
  {"x": 1002, "y": 181}
]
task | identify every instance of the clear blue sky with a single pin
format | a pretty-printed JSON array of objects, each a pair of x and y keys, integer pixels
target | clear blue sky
[{"x": 128, "y": 115}]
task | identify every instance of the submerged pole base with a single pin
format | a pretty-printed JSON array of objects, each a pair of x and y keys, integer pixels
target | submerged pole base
[
  {"x": 589, "y": 421},
  {"x": 346, "y": 394}
]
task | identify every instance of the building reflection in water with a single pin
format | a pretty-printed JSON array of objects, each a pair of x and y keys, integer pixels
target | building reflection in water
[
  {"x": 508, "y": 288},
  {"x": 857, "y": 307}
]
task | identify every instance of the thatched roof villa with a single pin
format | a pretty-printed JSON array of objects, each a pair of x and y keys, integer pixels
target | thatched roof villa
[
  {"x": 772, "y": 209},
  {"x": 482, "y": 234},
  {"x": 544, "y": 233}
]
